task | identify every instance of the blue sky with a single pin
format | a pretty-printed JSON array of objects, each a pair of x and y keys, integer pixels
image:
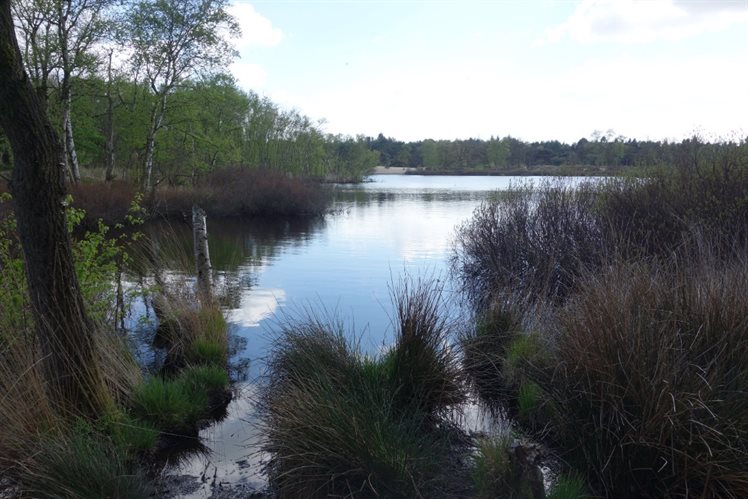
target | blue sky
[{"x": 531, "y": 69}]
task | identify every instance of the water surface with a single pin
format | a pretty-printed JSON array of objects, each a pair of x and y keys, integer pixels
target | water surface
[{"x": 342, "y": 265}]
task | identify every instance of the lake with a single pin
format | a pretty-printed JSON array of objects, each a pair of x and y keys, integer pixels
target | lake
[{"x": 342, "y": 266}]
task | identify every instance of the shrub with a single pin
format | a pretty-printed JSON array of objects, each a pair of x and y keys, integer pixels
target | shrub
[
  {"x": 248, "y": 193},
  {"x": 532, "y": 242},
  {"x": 108, "y": 202},
  {"x": 664, "y": 212},
  {"x": 651, "y": 372}
]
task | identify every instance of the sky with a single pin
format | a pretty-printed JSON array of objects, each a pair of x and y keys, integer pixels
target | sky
[{"x": 535, "y": 70}]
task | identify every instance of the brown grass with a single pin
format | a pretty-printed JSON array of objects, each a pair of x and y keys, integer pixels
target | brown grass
[{"x": 650, "y": 368}]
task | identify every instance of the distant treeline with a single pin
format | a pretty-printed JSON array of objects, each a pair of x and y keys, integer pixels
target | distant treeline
[{"x": 509, "y": 153}]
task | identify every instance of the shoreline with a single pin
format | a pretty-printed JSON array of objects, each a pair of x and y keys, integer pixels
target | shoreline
[{"x": 549, "y": 171}]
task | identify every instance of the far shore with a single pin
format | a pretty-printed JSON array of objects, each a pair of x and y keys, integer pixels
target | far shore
[
  {"x": 544, "y": 170},
  {"x": 390, "y": 170}
]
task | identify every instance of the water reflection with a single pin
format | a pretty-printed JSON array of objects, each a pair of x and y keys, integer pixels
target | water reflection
[{"x": 343, "y": 264}]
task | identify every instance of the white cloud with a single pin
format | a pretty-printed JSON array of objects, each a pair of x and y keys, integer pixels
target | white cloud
[
  {"x": 631, "y": 21},
  {"x": 257, "y": 30},
  {"x": 656, "y": 98},
  {"x": 249, "y": 75}
]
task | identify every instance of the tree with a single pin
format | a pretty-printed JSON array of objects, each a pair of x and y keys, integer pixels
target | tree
[
  {"x": 57, "y": 37},
  {"x": 174, "y": 40},
  {"x": 39, "y": 42},
  {"x": 63, "y": 327},
  {"x": 80, "y": 24}
]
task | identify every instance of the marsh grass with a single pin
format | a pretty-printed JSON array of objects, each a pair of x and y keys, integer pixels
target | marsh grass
[
  {"x": 180, "y": 404},
  {"x": 638, "y": 375},
  {"x": 82, "y": 465},
  {"x": 424, "y": 369},
  {"x": 339, "y": 423},
  {"x": 533, "y": 242},
  {"x": 484, "y": 349},
  {"x": 651, "y": 370},
  {"x": 568, "y": 486},
  {"x": 491, "y": 474},
  {"x": 223, "y": 193},
  {"x": 504, "y": 466}
]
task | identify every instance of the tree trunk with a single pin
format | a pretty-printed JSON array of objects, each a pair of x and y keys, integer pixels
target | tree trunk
[
  {"x": 202, "y": 255},
  {"x": 109, "y": 123},
  {"x": 65, "y": 332},
  {"x": 157, "y": 114},
  {"x": 71, "y": 156}
]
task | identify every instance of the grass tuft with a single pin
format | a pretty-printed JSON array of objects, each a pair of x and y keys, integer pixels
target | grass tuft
[
  {"x": 568, "y": 487},
  {"x": 82, "y": 466},
  {"x": 338, "y": 423}
]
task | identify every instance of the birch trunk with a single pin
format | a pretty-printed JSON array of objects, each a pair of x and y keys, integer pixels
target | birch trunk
[{"x": 202, "y": 255}]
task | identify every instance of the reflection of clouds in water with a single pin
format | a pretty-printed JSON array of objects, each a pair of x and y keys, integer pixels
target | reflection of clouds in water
[
  {"x": 234, "y": 458},
  {"x": 256, "y": 304},
  {"x": 429, "y": 234}
]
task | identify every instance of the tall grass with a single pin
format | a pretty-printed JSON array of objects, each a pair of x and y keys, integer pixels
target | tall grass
[
  {"x": 227, "y": 192},
  {"x": 532, "y": 241},
  {"x": 651, "y": 370},
  {"x": 636, "y": 373},
  {"x": 535, "y": 241},
  {"x": 338, "y": 423},
  {"x": 80, "y": 465},
  {"x": 664, "y": 213}
]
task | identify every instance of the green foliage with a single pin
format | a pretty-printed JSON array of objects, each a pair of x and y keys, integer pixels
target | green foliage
[
  {"x": 492, "y": 468},
  {"x": 568, "y": 487},
  {"x": 524, "y": 348},
  {"x": 14, "y": 313},
  {"x": 484, "y": 352},
  {"x": 178, "y": 405},
  {"x": 204, "y": 352},
  {"x": 170, "y": 405},
  {"x": 336, "y": 421},
  {"x": 529, "y": 399},
  {"x": 129, "y": 435},
  {"x": 99, "y": 258},
  {"x": 204, "y": 378},
  {"x": 82, "y": 465}
]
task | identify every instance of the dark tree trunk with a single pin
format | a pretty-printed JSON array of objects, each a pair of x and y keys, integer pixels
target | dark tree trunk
[{"x": 64, "y": 330}]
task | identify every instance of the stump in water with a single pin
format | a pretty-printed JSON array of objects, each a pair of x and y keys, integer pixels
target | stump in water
[{"x": 202, "y": 256}]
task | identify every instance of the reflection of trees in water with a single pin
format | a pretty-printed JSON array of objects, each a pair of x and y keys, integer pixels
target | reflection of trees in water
[
  {"x": 239, "y": 248},
  {"x": 234, "y": 243},
  {"x": 366, "y": 197}
]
